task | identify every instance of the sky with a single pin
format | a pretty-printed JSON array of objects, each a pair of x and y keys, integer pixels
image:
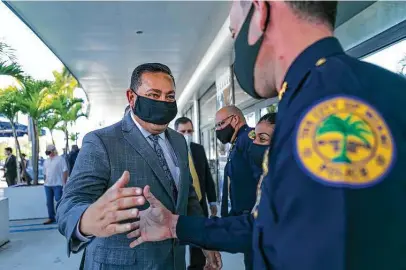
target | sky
[{"x": 34, "y": 57}]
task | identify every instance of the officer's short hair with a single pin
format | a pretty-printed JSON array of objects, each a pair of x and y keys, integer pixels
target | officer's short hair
[
  {"x": 9, "y": 149},
  {"x": 181, "y": 121},
  {"x": 324, "y": 11},
  {"x": 269, "y": 118},
  {"x": 136, "y": 77}
]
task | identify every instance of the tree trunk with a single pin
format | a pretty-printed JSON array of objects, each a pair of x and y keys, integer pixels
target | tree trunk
[
  {"x": 52, "y": 137},
  {"x": 18, "y": 148},
  {"x": 35, "y": 155},
  {"x": 67, "y": 139}
]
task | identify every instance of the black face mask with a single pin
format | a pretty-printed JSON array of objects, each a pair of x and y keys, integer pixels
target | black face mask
[
  {"x": 246, "y": 57},
  {"x": 257, "y": 153},
  {"x": 224, "y": 135},
  {"x": 155, "y": 111}
]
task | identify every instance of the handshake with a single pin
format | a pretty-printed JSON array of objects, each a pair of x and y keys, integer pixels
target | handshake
[{"x": 109, "y": 215}]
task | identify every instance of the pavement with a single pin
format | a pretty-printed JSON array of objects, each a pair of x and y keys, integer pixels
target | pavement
[{"x": 34, "y": 246}]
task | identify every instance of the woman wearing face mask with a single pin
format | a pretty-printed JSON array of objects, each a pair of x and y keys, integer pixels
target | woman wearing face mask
[{"x": 263, "y": 135}]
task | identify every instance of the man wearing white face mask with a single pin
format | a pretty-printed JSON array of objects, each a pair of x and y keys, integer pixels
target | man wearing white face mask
[{"x": 202, "y": 181}]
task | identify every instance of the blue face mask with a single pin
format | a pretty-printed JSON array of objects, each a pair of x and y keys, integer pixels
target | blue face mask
[{"x": 257, "y": 153}]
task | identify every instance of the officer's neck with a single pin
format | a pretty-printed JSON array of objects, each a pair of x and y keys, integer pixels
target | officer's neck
[
  {"x": 289, "y": 47},
  {"x": 237, "y": 129}
]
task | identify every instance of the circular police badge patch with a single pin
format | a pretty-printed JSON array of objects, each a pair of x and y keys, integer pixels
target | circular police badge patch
[
  {"x": 251, "y": 135},
  {"x": 344, "y": 142}
]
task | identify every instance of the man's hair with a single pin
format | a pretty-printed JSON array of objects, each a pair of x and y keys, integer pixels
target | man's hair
[
  {"x": 181, "y": 121},
  {"x": 136, "y": 77},
  {"x": 9, "y": 149},
  {"x": 269, "y": 118},
  {"x": 324, "y": 11}
]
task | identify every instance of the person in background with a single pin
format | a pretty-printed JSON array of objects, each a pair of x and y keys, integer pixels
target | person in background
[
  {"x": 264, "y": 129},
  {"x": 241, "y": 174},
  {"x": 23, "y": 170},
  {"x": 55, "y": 177},
  {"x": 72, "y": 157},
  {"x": 10, "y": 167},
  {"x": 202, "y": 182},
  {"x": 263, "y": 135}
]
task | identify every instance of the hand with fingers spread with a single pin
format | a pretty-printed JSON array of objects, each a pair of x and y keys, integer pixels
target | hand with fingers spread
[
  {"x": 156, "y": 223},
  {"x": 104, "y": 217},
  {"x": 213, "y": 260}
]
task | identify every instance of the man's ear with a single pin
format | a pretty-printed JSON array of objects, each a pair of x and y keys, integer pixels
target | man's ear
[
  {"x": 131, "y": 97},
  {"x": 262, "y": 13}
]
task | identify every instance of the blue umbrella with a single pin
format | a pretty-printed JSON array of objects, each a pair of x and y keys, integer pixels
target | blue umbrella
[{"x": 6, "y": 131}]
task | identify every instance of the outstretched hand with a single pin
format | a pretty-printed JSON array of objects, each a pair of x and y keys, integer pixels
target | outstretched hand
[{"x": 156, "y": 223}]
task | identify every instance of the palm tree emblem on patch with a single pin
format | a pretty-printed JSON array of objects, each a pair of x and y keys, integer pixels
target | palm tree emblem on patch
[
  {"x": 344, "y": 141},
  {"x": 347, "y": 129}
]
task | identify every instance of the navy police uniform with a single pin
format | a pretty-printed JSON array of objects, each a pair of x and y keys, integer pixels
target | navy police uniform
[
  {"x": 334, "y": 198},
  {"x": 240, "y": 175}
]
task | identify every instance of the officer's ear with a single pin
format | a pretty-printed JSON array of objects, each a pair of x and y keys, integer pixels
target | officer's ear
[{"x": 261, "y": 14}]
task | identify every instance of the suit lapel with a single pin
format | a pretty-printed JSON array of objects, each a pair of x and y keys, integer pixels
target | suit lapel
[
  {"x": 179, "y": 147},
  {"x": 135, "y": 138}
]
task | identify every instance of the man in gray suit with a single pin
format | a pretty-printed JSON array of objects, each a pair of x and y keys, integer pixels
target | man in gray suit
[{"x": 96, "y": 209}]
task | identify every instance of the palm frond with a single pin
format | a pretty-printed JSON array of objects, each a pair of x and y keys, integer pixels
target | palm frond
[{"x": 12, "y": 69}]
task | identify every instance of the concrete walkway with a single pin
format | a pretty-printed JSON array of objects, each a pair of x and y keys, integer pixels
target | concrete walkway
[{"x": 34, "y": 246}]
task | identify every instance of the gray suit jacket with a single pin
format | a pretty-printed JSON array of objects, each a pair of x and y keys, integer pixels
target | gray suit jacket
[{"x": 104, "y": 156}]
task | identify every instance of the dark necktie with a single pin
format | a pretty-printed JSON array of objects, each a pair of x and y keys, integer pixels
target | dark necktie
[{"x": 164, "y": 164}]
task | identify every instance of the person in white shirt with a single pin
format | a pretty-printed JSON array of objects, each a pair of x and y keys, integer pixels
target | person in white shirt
[{"x": 55, "y": 177}]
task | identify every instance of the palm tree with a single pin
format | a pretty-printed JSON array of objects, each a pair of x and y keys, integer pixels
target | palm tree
[
  {"x": 69, "y": 110},
  {"x": 36, "y": 103},
  {"x": 50, "y": 122},
  {"x": 10, "y": 99},
  {"x": 346, "y": 128},
  {"x": 8, "y": 63}
]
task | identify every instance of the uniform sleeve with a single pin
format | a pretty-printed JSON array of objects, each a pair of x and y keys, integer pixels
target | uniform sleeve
[
  {"x": 312, "y": 217},
  {"x": 231, "y": 234}
]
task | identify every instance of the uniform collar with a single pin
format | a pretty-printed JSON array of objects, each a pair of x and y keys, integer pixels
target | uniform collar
[
  {"x": 242, "y": 129},
  {"x": 312, "y": 56}
]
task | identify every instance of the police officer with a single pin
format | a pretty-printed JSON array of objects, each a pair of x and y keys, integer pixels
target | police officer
[
  {"x": 241, "y": 174},
  {"x": 333, "y": 197}
]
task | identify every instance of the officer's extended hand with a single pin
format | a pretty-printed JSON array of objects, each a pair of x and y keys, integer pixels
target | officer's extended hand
[
  {"x": 213, "y": 260},
  {"x": 156, "y": 223},
  {"x": 102, "y": 218}
]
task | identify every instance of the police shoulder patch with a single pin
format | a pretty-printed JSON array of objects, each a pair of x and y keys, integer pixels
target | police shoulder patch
[
  {"x": 251, "y": 134},
  {"x": 344, "y": 142}
]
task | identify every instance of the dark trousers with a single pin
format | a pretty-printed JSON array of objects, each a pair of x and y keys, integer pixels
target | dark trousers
[
  {"x": 197, "y": 259},
  {"x": 249, "y": 261},
  {"x": 11, "y": 180},
  {"x": 52, "y": 193}
]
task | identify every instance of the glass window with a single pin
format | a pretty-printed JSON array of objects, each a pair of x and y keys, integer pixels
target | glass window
[
  {"x": 269, "y": 109},
  {"x": 242, "y": 99},
  {"x": 189, "y": 113},
  {"x": 250, "y": 118},
  {"x": 392, "y": 57},
  {"x": 207, "y": 105}
]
